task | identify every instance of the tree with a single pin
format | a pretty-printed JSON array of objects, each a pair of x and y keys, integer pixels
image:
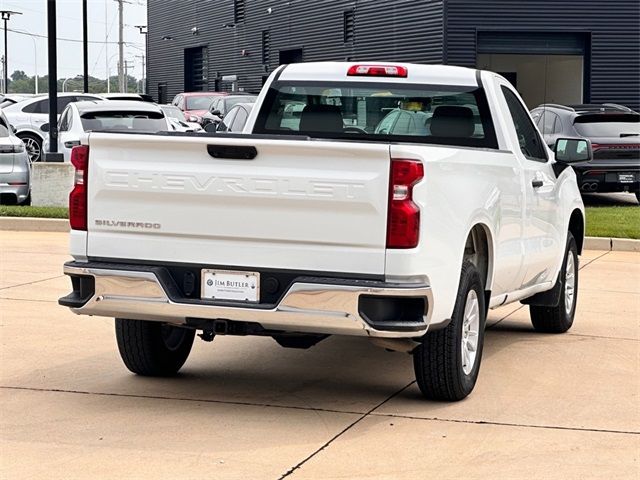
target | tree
[{"x": 19, "y": 75}]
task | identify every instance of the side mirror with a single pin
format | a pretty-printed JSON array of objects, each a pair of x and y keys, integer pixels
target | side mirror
[
  {"x": 193, "y": 118},
  {"x": 573, "y": 150},
  {"x": 210, "y": 128},
  {"x": 45, "y": 127},
  {"x": 216, "y": 112}
]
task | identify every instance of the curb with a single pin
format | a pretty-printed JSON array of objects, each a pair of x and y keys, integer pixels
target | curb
[
  {"x": 25, "y": 224},
  {"x": 612, "y": 244},
  {"x": 62, "y": 225}
]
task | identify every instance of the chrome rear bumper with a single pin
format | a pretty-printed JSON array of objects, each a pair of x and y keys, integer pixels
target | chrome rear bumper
[{"x": 326, "y": 308}]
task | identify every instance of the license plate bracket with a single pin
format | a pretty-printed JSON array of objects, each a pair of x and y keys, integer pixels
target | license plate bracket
[{"x": 234, "y": 285}]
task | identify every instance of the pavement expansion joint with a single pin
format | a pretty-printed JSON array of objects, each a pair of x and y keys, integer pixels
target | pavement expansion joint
[
  {"x": 179, "y": 399},
  {"x": 604, "y": 337},
  {"x": 506, "y": 424},
  {"x": 29, "y": 300},
  {"x": 31, "y": 283},
  {"x": 593, "y": 260},
  {"x": 339, "y": 434}
]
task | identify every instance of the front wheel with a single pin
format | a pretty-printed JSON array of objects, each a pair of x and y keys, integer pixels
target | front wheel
[
  {"x": 559, "y": 319},
  {"x": 152, "y": 348},
  {"x": 447, "y": 361}
]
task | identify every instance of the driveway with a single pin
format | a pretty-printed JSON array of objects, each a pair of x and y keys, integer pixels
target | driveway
[{"x": 546, "y": 406}]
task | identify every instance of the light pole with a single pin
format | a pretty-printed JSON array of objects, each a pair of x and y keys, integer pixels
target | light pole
[
  {"x": 144, "y": 31},
  {"x": 6, "y": 16}
]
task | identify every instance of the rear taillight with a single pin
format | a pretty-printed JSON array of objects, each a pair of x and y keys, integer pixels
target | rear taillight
[
  {"x": 78, "y": 196},
  {"x": 403, "y": 221},
  {"x": 377, "y": 71}
]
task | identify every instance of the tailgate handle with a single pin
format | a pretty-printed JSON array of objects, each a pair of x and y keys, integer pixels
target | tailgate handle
[{"x": 234, "y": 152}]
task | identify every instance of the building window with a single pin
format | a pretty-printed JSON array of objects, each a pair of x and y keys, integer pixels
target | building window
[
  {"x": 266, "y": 46},
  {"x": 238, "y": 11},
  {"x": 349, "y": 26}
]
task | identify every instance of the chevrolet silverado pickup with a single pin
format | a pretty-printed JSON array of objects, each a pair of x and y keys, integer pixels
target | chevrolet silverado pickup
[{"x": 397, "y": 202}]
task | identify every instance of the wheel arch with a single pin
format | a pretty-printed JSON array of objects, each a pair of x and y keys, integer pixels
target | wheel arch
[
  {"x": 30, "y": 131},
  {"x": 576, "y": 227},
  {"x": 479, "y": 249}
]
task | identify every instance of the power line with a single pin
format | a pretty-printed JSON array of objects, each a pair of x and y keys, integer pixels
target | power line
[{"x": 68, "y": 39}]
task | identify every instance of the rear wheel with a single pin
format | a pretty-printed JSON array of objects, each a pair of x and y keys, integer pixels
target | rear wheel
[
  {"x": 447, "y": 361},
  {"x": 152, "y": 348},
  {"x": 33, "y": 145},
  {"x": 559, "y": 319}
]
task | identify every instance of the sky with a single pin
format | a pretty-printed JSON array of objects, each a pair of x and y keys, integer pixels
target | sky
[{"x": 25, "y": 51}]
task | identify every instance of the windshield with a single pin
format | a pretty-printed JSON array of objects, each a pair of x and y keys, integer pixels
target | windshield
[
  {"x": 441, "y": 114},
  {"x": 173, "y": 112},
  {"x": 124, "y": 121},
  {"x": 199, "y": 102},
  {"x": 613, "y": 125}
]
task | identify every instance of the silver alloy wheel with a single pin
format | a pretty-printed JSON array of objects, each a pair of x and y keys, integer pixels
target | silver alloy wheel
[
  {"x": 569, "y": 283},
  {"x": 33, "y": 148},
  {"x": 470, "y": 332}
]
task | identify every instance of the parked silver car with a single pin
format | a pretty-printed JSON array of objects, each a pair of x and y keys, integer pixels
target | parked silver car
[{"x": 15, "y": 166}]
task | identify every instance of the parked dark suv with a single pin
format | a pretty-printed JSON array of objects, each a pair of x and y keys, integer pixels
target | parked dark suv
[{"x": 614, "y": 132}]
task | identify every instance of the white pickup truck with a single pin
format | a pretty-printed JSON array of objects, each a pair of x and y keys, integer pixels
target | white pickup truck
[{"x": 395, "y": 202}]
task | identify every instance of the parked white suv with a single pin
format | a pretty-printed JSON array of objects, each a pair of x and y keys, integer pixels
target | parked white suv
[
  {"x": 119, "y": 115},
  {"x": 319, "y": 222},
  {"x": 28, "y": 116}
]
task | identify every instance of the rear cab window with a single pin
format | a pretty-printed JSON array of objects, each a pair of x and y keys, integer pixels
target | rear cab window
[
  {"x": 124, "y": 121},
  {"x": 383, "y": 112}
]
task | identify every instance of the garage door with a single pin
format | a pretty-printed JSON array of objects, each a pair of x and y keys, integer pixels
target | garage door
[{"x": 532, "y": 43}]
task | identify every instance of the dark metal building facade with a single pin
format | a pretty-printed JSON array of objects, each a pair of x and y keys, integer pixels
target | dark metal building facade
[{"x": 193, "y": 44}]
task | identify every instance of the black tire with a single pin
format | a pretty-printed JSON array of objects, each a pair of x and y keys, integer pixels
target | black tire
[
  {"x": 33, "y": 144},
  {"x": 152, "y": 348},
  {"x": 438, "y": 362},
  {"x": 560, "y": 318}
]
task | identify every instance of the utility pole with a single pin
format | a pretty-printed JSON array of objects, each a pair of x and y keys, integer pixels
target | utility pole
[
  {"x": 121, "y": 46},
  {"x": 85, "y": 46},
  {"x": 144, "y": 78},
  {"x": 144, "y": 30},
  {"x": 106, "y": 47},
  {"x": 6, "y": 16},
  {"x": 126, "y": 76}
]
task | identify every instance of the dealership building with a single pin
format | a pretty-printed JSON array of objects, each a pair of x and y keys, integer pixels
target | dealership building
[{"x": 556, "y": 51}]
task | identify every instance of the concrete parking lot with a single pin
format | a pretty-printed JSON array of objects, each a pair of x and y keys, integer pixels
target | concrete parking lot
[{"x": 546, "y": 406}]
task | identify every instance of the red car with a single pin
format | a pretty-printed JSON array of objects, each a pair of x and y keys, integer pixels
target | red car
[{"x": 195, "y": 104}]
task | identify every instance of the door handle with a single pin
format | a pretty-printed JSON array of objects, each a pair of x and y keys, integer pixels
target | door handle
[{"x": 537, "y": 183}]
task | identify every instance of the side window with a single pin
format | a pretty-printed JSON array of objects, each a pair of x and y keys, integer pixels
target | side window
[
  {"x": 239, "y": 121},
  {"x": 64, "y": 121},
  {"x": 41, "y": 106},
  {"x": 63, "y": 102},
  {"x": 387, "y": 122},
  {"x": 536, "y": 117},
  {"x": 530, "y": 142},
  {"x": 557, "y": 126},
  {"x": 228, "y": 120},
  {"x": 547, "y": 124}
]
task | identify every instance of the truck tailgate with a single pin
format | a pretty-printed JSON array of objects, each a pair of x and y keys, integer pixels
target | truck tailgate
[{"x": 299, "y": 204}]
